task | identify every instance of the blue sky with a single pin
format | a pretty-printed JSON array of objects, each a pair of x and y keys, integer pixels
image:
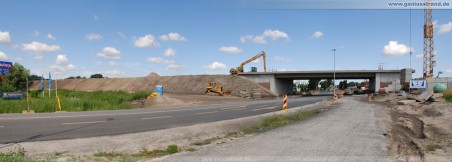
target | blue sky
[{"x": 133, "y": 38}]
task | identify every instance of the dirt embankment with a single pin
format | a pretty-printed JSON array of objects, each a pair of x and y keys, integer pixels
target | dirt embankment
[
  {"x": 420, "y": 131},
  {"x": 183, "y": 84}
]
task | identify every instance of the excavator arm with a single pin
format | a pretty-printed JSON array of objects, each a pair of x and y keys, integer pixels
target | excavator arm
[{"x": 240, "y": 68}]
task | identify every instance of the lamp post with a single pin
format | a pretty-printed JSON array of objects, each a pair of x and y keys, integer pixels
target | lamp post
[{"x": 334, "y": 71}]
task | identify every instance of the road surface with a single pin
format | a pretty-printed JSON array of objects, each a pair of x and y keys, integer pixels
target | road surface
[
  {"x": 354, "y": 131},
  {"x": 15, "y": 128}
]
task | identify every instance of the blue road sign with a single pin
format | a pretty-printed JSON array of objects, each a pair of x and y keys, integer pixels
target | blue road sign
[
  {"x": 418, "y": 83},
  {"x": 6, "y": 65},
  {"x": 4, "y": 71}
]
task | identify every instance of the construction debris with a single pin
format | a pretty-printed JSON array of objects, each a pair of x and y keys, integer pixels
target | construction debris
[{"x": 424, "y": 96}]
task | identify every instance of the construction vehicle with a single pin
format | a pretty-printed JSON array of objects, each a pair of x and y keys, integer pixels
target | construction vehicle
[
  {"x": 235, "y": 71},
  {"x": 214, "y": 89}
]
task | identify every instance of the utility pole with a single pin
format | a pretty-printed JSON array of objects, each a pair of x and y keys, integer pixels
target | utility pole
[
  {"x": 28, "y": 104},
  {"x": 334, "y": 71}
]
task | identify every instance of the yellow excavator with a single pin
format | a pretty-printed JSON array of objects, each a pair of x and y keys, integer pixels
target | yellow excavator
[
  {"x": 214, "y": 89},
  {"x": 235, "y": 71}
]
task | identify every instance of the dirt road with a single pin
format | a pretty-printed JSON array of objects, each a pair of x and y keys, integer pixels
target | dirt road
[{"x": 354, "y": 131}]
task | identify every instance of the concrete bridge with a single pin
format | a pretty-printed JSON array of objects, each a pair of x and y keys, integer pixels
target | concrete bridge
[{"x": 281, "y": 82}]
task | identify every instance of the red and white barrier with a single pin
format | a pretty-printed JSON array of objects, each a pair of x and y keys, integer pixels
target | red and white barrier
[{"x": 285, "y": 102}]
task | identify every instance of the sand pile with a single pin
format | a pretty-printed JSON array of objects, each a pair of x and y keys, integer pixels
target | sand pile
[{"x": 183, "y": 84}]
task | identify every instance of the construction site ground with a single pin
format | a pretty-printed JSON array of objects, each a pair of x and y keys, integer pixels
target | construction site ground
[
  {"x": 172, "y": 100},
  {"x": 419, "y": 131}
]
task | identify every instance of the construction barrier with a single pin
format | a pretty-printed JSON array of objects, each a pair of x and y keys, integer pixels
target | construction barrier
[
  {"x": 285, "y": 102},
  {"x": 334, "y": 97}
]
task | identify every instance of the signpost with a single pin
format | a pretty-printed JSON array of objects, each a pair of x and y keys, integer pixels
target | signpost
[{"x": 418, "y": 83}]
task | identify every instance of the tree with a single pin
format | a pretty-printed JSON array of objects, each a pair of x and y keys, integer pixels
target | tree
[
  {"x": 71, "y": 77},
  {"x": 16, "y": 79},
  {"x": 343, "y": 84},
  {"x": 326, "y": 83},
  {"x": 35, "y": 77},
  {"x": 78, "y": 77},
  {"x": 312, "y": 85},
  {"x": 96, "y": 76}
]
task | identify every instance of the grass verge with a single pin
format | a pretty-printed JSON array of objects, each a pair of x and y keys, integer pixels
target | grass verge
[
  {"x": 73, "y": 101},
  {"x": 16, "y": 155},
  {"x": 276, "y": 121},
  {"x": 142, "y": 154},
  {"x": 448, "y": 95}
]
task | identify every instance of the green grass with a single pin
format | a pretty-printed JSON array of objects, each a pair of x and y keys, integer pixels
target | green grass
[
  {"x": 448, "y": 95},
  {"x": 73, "y": 101},
  {"x": 206, "y": 141},
  {"x": 142, "y": 154},
  {"x": 276, "y": 121},
  {"x": 14, "y": 155}
]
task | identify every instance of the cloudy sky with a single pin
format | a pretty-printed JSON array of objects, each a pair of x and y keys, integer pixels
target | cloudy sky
[{"x": 121, "y": 38}]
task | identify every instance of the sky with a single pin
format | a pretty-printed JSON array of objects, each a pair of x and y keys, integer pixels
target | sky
[{"x": 133, "y": 38}]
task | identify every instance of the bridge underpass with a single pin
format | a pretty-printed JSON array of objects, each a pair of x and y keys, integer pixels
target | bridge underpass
[{"x": 281, "y": 82}]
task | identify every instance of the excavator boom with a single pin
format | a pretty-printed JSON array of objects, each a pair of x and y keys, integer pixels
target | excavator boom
[{"x": 240, "y": 68}]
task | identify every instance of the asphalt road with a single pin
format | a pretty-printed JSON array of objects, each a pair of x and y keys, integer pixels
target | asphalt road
[{"x": 15, "y": 128}]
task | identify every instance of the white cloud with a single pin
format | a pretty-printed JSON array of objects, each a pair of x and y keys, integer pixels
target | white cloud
[
  {"x": 112, "y": 63},
  {"x": 154, "y": 59},
  {"x": 50, "y": 36},
  {"x": 36, "y": 34},
  {"x": 246, "y": 37},
  {"x": 115, "y": 73},
  {"x": 444, "y": 28},
  {"x": 98, "y": 62},
  {"x": 419, "y": 56},
  {"x": 269, "y": 33},
  {"x": 230, "y": 49},
  {"x": 122, "y": 35},
  {"x": 275, "y": 34},
  {"x": 3, "y": 56},
  {"x": 396, "y": 49},
  {"x": 174, "y": 67},
  {"x": 38, "y": 47},
  {"x": 317, "y": 34},
  {"x": 4, "y": 37},
  {"x": 170, "y": 52},
  {"x": 70, "y": 67},
  {"x": 259, "y": 39},
  {"x": 110, "y": 52},
  {"x": 61, "y": 59},
  {"x": 217, "y": 66},
  {"x": 95, "y": 17},
  {"x": 159, "y": 60},
  {"x": 93, "y": 37},
  {"x": 281, "y": 58},
  {"x": 38, "y": 57},
  {"x": 173, "y": 36},
  {"x": 146, "y": 41}
]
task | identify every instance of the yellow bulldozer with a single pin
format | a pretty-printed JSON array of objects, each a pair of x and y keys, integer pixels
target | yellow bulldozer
[
  {"x": 214, "y": 89},
  {"x": 235, "y": 71}
]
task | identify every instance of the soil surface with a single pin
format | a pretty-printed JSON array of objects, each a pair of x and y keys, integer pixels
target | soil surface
[
  {"x": 419, "y": 131},
  {"x": 169, "y": 100}
]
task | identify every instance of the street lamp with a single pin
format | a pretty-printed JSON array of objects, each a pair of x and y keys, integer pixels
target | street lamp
[{"x": 334, "y": 71}]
